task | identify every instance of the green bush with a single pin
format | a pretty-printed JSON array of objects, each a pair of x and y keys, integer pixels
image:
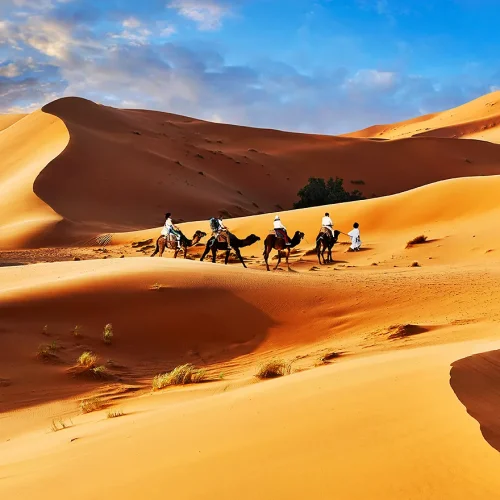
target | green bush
[{"x": 319, "y": 192}]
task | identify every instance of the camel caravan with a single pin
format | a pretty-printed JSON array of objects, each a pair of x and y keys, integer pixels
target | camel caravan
[{"x": 222, "y": 239}]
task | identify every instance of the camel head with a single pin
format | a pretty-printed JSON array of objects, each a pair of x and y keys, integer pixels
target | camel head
[
  {"x": 253, "y": 238},
  {"x": 299, "y": 235},
  {"x": 199, "y": 234}
]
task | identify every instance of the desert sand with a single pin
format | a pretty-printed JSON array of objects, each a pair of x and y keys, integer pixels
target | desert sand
[
  {"x": 406, "y": 405},
  {"x": 478, "y": 119}
]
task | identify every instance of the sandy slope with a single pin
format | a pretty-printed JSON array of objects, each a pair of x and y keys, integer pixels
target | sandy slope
[
  {"x": 122, "y": 169},
  {"x": 26, "y": 146},
  {"x": 478, "y": 119}
]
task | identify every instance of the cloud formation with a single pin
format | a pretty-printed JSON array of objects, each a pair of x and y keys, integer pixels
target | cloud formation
[{"x": 126, "y": 60}]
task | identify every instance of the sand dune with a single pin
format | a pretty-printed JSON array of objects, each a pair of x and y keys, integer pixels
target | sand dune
[
  {"x": 406, "y": 407},
  {"x": 122, "y": 169},
  {"x": 478, "y": 119}
]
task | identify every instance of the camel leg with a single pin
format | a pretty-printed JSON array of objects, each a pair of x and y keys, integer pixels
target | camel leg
[
  {"x": 207, "y": 249},
  {"x": 226, "y": 260},
  {"x": 185, "y": 251},
  {"x": 214, "y": 253},
  {"x": 157, "y": 249},
  {"x": 266, "y": 257},
  {"x": 176, "y": 251},
  {"x": 238, "y": 254},
  {"x": 287, "y": 255},
  {"x": 162, "y": 246},
  {"x": 279, "y": 260},
  {"x": 318, "y": 252}
]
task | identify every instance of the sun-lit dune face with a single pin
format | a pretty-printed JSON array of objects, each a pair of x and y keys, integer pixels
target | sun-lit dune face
[
  {"x": 478, "y": 119},
  {"x": 84, "y": 169},
  {"x": 380, "y": 365}
]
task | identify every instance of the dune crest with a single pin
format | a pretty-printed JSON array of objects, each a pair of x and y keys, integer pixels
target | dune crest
[
  {"x": 122, "y": 169},
  {"x": 477, "y": 119}
]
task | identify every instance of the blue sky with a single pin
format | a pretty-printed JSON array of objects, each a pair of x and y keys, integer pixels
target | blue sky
[{"x": 326, "y": 66}]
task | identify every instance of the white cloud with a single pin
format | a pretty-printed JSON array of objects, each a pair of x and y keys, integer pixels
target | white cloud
[
  {"x": 10, "y": 70},
  {"x": 131, "y": 22},
  {"x": 168, "y": 31},
  {"x": 208, "y": 14},
  {"x": 373, "y": 78}
]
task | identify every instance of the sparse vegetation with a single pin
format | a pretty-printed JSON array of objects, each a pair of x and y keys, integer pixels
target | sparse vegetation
[
  {"x": 415, "y": 264},
  {"x": 274, "y": 368},
  {"x": 222, "y": 375},
  {"x": 47, "y": 352},
  {"x": 107, "y": 334},
  {"x": 100, "y": 371},
  {"x": 115, "y": 413},
  {"x": 181, "y": 375},
  {"x": 91, "y": 404},
  {"x": 59, "y": 424},
  {"x": 87, "y": 359},
  {"x": 318, "y": 192},
  {"x": 419, "y": 240}
]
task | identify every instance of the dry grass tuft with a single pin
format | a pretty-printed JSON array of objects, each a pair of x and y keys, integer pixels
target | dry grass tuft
[
  {"x": 87, "y": 359},
  {"x": 415, "y": 264},
  {"x": 274, "y": 368},
  {"x": 115, "y": 413},
  {"x": 417, "y": 241},
  {"x": 107, "y": 334},
  {"x": 48, "y": 352},
  {"x": 181, "y": 375},
  {"x": 91, "y": 404}
]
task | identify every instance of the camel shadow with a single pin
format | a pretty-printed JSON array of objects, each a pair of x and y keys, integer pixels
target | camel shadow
[{"x": 475, "y": 380}]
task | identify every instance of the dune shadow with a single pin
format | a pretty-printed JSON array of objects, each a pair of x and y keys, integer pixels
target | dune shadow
[
  {"x": 154, "y": 332},
  {"x": 475, "y": 380}
]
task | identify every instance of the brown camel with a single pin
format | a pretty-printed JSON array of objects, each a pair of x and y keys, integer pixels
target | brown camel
[
  {"x": 214, "y": 244},
  {"x": 325, "y": 241},
  {"x": 272, "y": 242},
  {"x": 171, "y": 243}
]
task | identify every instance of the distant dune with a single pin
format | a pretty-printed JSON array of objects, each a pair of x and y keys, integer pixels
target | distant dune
[
  {"x": 83, "y": 169},
  {"x": 478, "y": 119}
]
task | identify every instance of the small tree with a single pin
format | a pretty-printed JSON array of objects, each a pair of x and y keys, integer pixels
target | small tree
[{"x": 318, "y": 192}]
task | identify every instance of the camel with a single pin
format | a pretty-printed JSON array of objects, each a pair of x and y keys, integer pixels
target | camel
[
  {"x": 162, "y": 242},
  {"x": 272, "y": 242},
  {"x": 325, "y": 241},
  {"x": 214, "y": 245}
]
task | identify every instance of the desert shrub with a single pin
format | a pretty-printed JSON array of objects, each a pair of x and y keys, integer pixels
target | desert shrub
[
  {"x": 181, "y": 375},
  {"x": 274, "y": 368},
  {"x": 100, "y": 371},
  {"x": 418, "y": 240},
  {"x": 319, "y": 191},
  {"x": 91, "y": 404},
  {"x": 47, "y": 352},
  {"x": 107, "y": 334},
  {"x": 415, "y": 264},
  {"x": 87, "y": 359},
  {"x": 115, "y": 413}
]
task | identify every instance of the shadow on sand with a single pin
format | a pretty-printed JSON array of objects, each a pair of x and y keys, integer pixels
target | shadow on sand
[{"x": 476, "y": 382}]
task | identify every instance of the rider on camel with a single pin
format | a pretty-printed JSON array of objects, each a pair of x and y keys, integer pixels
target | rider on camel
[
  {"x": 327, "y": 223},
  {"x": 170, "y": 228},
  {"x": 280, "y": 230},
  {"x": 220, "y": 230}
]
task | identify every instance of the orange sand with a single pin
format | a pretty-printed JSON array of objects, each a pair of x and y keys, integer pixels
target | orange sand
[
  {"x": 403, "y": 412},
  {"x": 478, "y": 119}
]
